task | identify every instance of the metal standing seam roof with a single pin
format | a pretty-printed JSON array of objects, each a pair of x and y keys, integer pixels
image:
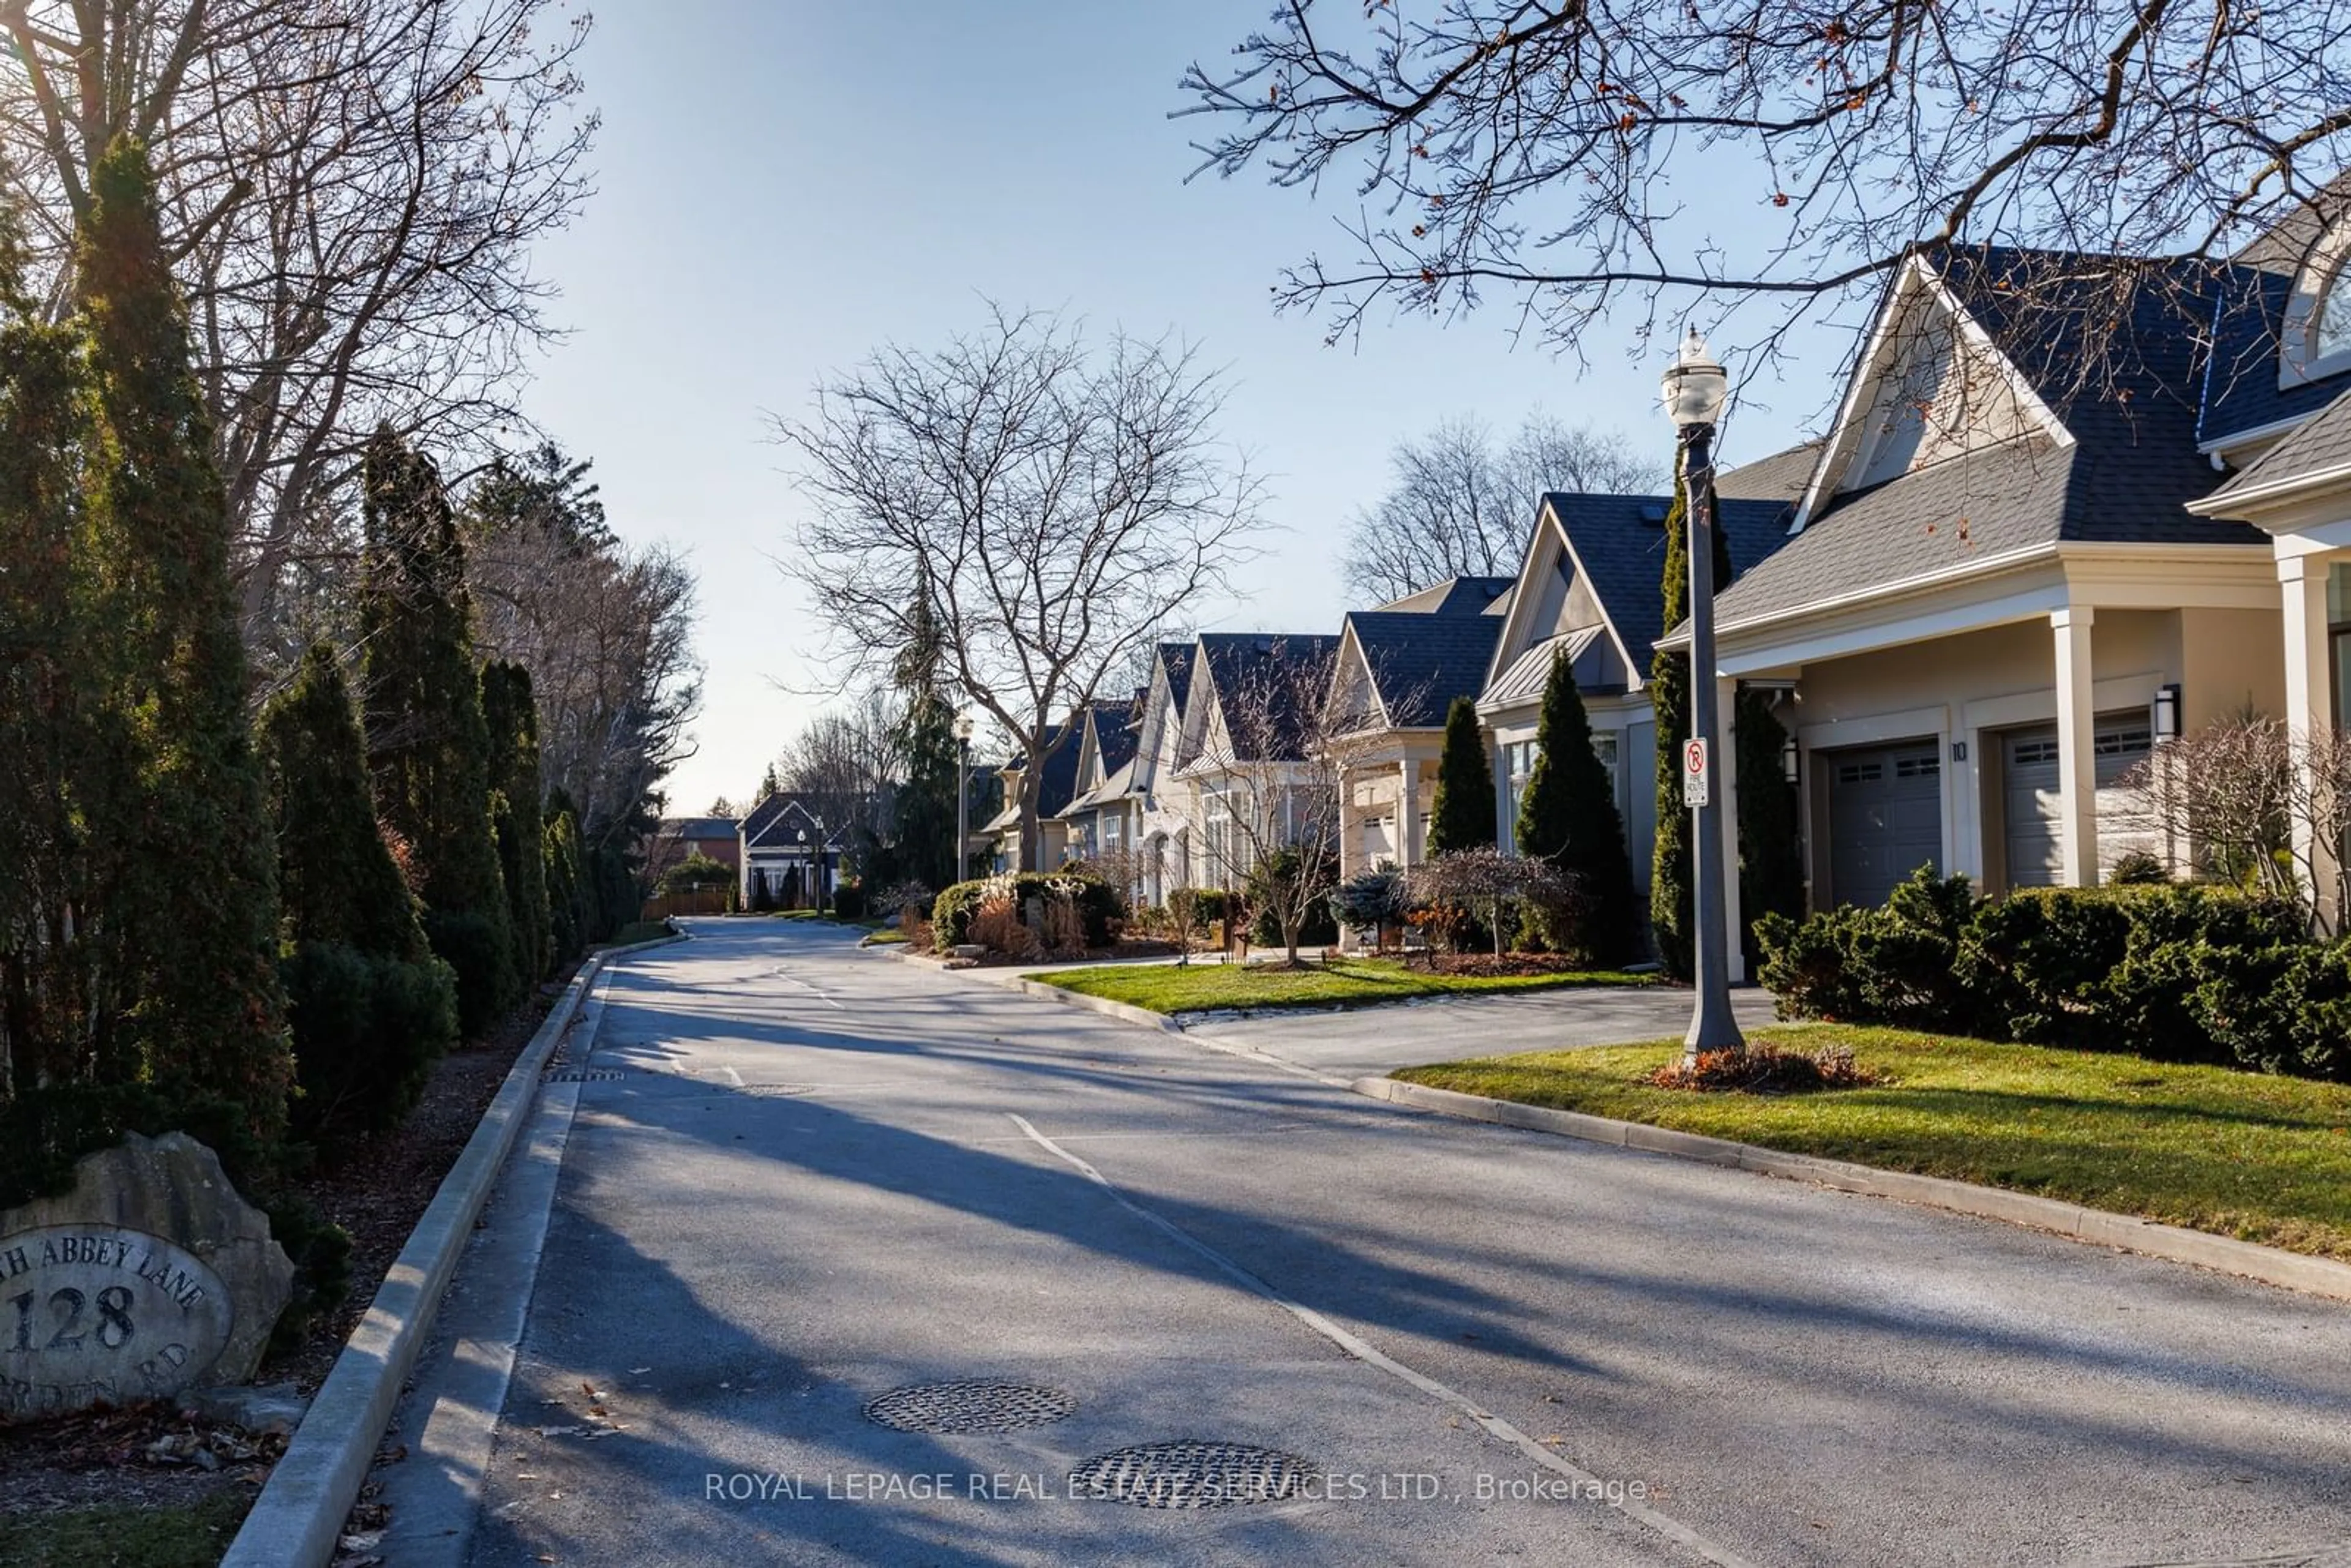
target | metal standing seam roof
[{"x": 1524, "y": 681}]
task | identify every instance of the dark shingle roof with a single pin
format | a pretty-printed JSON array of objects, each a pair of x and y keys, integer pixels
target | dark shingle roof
[
  {"x": 1779, "y": 477},
  {"x": 697, "y": 827},
  {"x": 1420, "y": 661},
  {"x": 1115, "y": 733},
  {"x": 1057, "y": 780},
  {"x": 1177, "y": 658},
  {"x": 1281, "y": 664},
  {"x": 2322, "y": 443},
  {"x": 2127, "y": 478},
  {"x": 2241, "y": 386},
  {"x": 773, "y": 814},
  {"x": 1621, "y": 540},
  {"x": 1454, "y": 596}
]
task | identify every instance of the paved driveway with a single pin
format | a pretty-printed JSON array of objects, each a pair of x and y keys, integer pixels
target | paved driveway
[
  {"x": 1352, "y": 1043},
  {"x": 818, "y": 1176}
]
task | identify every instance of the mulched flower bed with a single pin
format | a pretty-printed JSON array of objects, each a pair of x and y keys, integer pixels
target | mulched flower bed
[{"x": 1487, "y": 965}]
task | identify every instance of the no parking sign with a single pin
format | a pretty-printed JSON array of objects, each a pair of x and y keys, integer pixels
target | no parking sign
[{"x": 1697, "y": 777}]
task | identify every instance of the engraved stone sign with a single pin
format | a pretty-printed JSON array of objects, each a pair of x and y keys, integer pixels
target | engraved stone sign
[{"x": 149, "y": 1276}]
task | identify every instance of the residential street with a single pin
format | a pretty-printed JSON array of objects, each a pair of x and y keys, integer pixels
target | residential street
[{"x": 822, "y": 1176}]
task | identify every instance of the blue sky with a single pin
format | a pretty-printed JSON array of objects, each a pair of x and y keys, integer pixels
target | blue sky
[{"x": 783, "y": 187}]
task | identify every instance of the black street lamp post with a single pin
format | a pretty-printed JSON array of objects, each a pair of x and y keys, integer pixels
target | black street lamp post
[
  {"x": 1695, "y": 390},
  {"x": 963, "y": 797}
]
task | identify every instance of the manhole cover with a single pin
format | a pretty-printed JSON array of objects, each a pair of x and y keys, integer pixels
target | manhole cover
[
  {"x": 585, "y": 1075},
  {"x": 1192, "y": 1475},
  {"x": 971, "y": 1404}
]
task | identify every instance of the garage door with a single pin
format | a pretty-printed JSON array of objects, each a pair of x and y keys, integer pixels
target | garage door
[
  {"x": 1885, "y": 818},
  {"x": 2031, "y": 796}
]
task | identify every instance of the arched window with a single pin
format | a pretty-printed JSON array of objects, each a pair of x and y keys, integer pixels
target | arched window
[{"x": 2330, "y": 320}]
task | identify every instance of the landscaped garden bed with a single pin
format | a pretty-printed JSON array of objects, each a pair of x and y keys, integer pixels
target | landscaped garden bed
[
  {"x": 1341, "y": 982},
  {"x": 2253, "y": 1155}
]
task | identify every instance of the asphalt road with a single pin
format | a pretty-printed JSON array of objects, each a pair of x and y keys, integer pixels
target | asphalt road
[{"x": 822, "y": 1176}]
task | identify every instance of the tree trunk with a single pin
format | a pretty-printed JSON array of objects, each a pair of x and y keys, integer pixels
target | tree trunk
[{"x": 1033, "y": 832}]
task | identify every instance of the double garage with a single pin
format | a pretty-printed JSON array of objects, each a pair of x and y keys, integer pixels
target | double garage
[{"x": 1886, "y": 808}]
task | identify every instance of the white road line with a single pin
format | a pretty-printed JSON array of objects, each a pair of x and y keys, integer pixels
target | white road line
[
  {"x": 733, "y": 1077},
  {"x": 1362, "y": 1350},
  {"x": 820, "y": 996}
]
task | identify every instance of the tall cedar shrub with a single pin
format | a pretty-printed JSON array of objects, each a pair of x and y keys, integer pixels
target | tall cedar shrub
[
  {"x": 1669, "y": 694},
  {"x": 1462, "y": 815},
  {"x": 925, "y": 745},
  {"x": 566, "y": 899},
  {"x": 69, "y": 1077},
  {"x": 429, "y": 748},
  {"x": 337, "y": 879},
  {"x": 511, "y": 718},
  {"x": 200, "y": 915},
  {"x": 1771, "y": 853},
  {"x": 369, "y": 1007},
  {"x": 1569, "y": 818}
]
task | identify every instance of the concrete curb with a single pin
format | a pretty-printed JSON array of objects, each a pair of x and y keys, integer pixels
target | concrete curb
[
  {"x": 1126, "y": 1013},
  {"x": 2269, "y": 1264},
  {"x": 299, "y": 1517}
]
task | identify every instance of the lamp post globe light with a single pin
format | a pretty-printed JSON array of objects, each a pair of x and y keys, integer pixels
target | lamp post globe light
[
  {"x": 1695, "y": 388},
  {"x": 963, "y": 729}
]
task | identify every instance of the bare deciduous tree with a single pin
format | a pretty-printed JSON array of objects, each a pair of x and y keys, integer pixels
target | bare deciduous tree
[
  {"x": 350, "y": 189},
  {"x": 1266, "y": 772},
  {"x": 1463, "y": 507},
  {"x": 844, "y": 763},
  {"x": 2251, "y": 801},
  {"x": 1052, "y": 504},
  {"x": 606, "y": 631},
  {"x": 1664, "y": 160},
  {"x": 1488, "y": 882}
]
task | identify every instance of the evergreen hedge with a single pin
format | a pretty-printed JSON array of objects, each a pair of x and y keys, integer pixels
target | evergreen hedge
[
  {"x": 1098, "y": 903},
  {"x": 510, "y": 723},
  {"x": 2172, "y": 973}
]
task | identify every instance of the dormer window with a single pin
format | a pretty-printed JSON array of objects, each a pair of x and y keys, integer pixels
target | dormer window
[{"x": 2330, "y": 328}]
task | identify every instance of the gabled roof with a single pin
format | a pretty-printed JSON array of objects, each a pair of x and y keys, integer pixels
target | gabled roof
[
  {"x": 1057, "y": 780},
  {"x": 1454, "y": 596},
  {"x": 1620, "y": 541},
  {"x": 2242, "y": 390},
  {"x": 1234, "y": 661},
  {"x": 1420, "y": 661},
  {"x": 1115, "y": 736},
  {"x": 1779, "y": 477},
  {"x": 1175, "y": 658},
  {"x": 2122, "y": 470},
  {"x": 779, "y": 820},
  {"x": 2319, "y": 449},
  {"x": 1113, "y": 788}
]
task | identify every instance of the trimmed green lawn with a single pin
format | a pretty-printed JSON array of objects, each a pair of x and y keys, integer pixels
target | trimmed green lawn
[
  {"x": 1344, "y": 982},
  {"x": 2239, "y": 1153},
  {"x": 189, "y": 1537}
]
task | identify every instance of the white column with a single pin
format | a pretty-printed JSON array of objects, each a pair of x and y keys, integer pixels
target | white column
[
  {"x": 2077, "y": 758},
  {"x": 1726, "y": 778},
  {"x": 1506, "y": 830},
  {"x": 2309, "y": 700},
  {"x": 1408, "y": 839}
]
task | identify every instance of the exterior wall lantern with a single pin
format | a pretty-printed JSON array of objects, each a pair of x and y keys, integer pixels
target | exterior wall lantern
[{"x": 2167, "y": 712}]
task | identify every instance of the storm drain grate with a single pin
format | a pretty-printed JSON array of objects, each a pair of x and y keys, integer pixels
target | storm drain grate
[
  {"x": 585, "y": 1075},
  {"x": 1192, "y": 1475},
  {"x": 971, "y": 1404}
]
